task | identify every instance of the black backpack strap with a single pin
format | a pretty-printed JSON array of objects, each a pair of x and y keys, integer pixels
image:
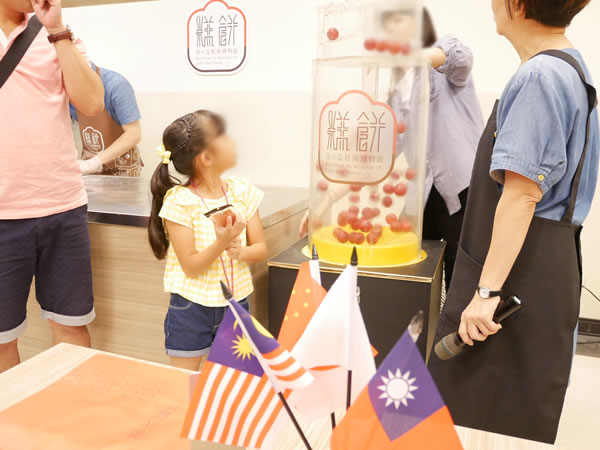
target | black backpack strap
[
  {"x": 18, "y": 49},
  {"x": 592, "y": 103}
]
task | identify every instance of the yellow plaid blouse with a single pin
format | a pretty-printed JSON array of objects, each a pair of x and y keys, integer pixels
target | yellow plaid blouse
[{"x": 184, "y": 207}]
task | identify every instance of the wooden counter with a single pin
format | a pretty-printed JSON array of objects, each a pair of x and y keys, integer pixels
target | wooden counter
[
  {"x": 128, "y": 289},
  {"x": 23, "y": 381}
]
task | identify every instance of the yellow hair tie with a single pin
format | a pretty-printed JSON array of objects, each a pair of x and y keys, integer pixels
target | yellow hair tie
[{"x": 164, "y": 154}]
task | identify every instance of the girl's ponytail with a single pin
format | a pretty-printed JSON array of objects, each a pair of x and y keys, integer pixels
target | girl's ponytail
[
  {"x": 185, "y": 139},
  {"x": 161, "y": 182}
]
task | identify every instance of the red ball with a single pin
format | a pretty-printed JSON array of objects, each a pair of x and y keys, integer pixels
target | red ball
[
  {"x": 375, "y": 197},
  {"x": 355, "y": 198},
  {"x": 381, "y": 45},
  {"x": 401, "y": 189},
  {"x": 395, "y": 175},
  {"x": 357, "y": 238},
  {"x": 343, "y": 219},
  {"x": 333, "y": 34},
  {"x": 377, "y": 229},
  {"x": 388, "y": 188},
  {"x": 411, "y": 174},
  {"x": 375, "y": 212},
  {"x": 340, "y": 235},
  {"x": 387, "y": 201},
  {"x": 355, "y": 187},
  {"x": 401, "y": 127},
  {"x": 365, "y": 226},
  {"x": 354, "y": 210},
  {"x": 373, "y": 238},
  {"x": 405, "y": 225},
  {"x": 370, "y": 44},
  {"x": 396, "y": 227},
  {"x": 367, "y": 213},
  {"x": 355, "y": 224},
  {"x": 395, "y": 48},
  {"x": 322, "y": 186},
  {"x": 391, "y": 218}
]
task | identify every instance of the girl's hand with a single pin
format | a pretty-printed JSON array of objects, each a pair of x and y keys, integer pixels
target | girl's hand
[
  {"x": 227, "y": 233},
  {"x": 50, "y": 14},
  {"x": 235, "y": 248}
]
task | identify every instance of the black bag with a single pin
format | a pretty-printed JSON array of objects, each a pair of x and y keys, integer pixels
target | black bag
[{"x": 15, "y": 53}]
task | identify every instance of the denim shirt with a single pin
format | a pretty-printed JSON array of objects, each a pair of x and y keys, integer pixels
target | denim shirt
[
  {"x": 119, "y": 98},
  {"x": 541, "y": 128}
]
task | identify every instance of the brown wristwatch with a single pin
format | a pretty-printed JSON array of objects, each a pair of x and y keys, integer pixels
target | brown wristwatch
[{"x": 67, "y": 34}]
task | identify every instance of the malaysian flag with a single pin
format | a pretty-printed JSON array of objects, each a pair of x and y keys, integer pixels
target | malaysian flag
[{"x": 236, "y": 399}]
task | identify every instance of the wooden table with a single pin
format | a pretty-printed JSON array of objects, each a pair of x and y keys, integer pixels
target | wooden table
[{"x": 33, "y": 375}]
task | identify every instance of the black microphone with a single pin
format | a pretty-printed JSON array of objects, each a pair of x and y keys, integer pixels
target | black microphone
[{"x": 452, "y": 345}]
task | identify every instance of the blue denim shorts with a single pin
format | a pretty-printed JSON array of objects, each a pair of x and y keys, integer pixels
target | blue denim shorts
[
  {"x": 56, "y": 251},
  {"x": 190, "y": 328}
]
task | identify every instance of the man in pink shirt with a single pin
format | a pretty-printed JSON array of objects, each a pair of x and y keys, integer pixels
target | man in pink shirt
[{"x": 43, "y": 203}]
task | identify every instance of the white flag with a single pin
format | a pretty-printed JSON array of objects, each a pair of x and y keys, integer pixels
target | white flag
[{"x": 334, "y": 342}]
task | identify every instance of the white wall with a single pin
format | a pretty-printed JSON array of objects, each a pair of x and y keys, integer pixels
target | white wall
[{"x": 268, "y": 103}]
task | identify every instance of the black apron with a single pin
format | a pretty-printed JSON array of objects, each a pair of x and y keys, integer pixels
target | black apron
[{"x": 515, "y": 382}]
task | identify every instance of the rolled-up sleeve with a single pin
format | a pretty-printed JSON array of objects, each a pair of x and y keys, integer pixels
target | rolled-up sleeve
[
  {"x": 459, "y": 60},
  {"x": 531, "y": 138}
]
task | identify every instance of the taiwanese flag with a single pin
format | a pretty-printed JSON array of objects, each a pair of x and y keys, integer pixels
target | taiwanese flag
[{"x": 400, "y": 408}]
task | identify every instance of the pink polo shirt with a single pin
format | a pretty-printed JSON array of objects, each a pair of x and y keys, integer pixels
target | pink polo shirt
[{"x": 39, "y": 174}]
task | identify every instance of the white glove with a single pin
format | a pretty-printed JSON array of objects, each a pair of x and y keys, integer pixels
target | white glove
[{"x": 88, "y": 166}]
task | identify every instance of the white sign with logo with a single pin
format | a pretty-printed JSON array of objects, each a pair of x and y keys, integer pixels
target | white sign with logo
[
  {"x": 357, "y": 139},
  {"x": 216, "y": 39}
]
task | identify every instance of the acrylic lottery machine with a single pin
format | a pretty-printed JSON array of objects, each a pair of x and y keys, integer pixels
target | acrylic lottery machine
[{"x": 370, "y": 111}]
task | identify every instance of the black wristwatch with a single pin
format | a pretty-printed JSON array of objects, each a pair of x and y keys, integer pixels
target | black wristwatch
[{"x": 485, "y": 292}]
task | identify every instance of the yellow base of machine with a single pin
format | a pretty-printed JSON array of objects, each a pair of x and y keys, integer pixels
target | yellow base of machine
[{"x": 392, "y": 249}]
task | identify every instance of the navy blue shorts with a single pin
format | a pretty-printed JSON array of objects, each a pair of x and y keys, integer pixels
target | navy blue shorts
[
  {"x": 190, "y": 328},
  {"x": 56, "y": 250}
]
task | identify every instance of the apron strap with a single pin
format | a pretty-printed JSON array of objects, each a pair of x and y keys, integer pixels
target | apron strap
[{"x": 592, "y": 103}]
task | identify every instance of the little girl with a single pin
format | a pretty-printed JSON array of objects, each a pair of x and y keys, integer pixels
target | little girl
[{"x": 209, "y": 229}]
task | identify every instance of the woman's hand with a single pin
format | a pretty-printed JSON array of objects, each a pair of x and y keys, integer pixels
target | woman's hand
[
  {"x": 230, "y": 231},
  {"x": 476, "y": 322},
  {"x": 316, "y": 224},
  {"x": 49, "y": 13},
  {"x": 235, "y": 248},
  {"x": 303, "y": 225}
]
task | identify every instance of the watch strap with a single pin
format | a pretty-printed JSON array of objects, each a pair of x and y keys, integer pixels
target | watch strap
[
  {"x": 54, "y": 38},
  {"x": 492, "y": 294}
]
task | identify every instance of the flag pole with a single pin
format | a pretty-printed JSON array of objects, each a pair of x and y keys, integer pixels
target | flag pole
[
  {"x": 354, "y": 263},
  {"x": 295, "y": 422},
  {"x": 315, "y": 260},
  {"x": 229, "y": 297}
]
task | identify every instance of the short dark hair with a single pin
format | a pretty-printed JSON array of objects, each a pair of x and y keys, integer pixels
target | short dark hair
[
  {"x": 552, "y": 13},
  {"x": 428, "y": 33}
]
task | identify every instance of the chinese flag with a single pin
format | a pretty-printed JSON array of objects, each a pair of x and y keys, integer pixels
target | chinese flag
[{"x": 304, "y": 301}]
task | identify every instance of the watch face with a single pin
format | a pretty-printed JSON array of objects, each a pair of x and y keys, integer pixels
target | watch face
[{"x": 484, "y": 292}]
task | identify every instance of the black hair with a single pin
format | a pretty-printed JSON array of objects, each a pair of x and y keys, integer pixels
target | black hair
[
  {"x": 552, "y": 13},
  {"x": 428, "y": 35},
  {"x": 185, "y": 138}
]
